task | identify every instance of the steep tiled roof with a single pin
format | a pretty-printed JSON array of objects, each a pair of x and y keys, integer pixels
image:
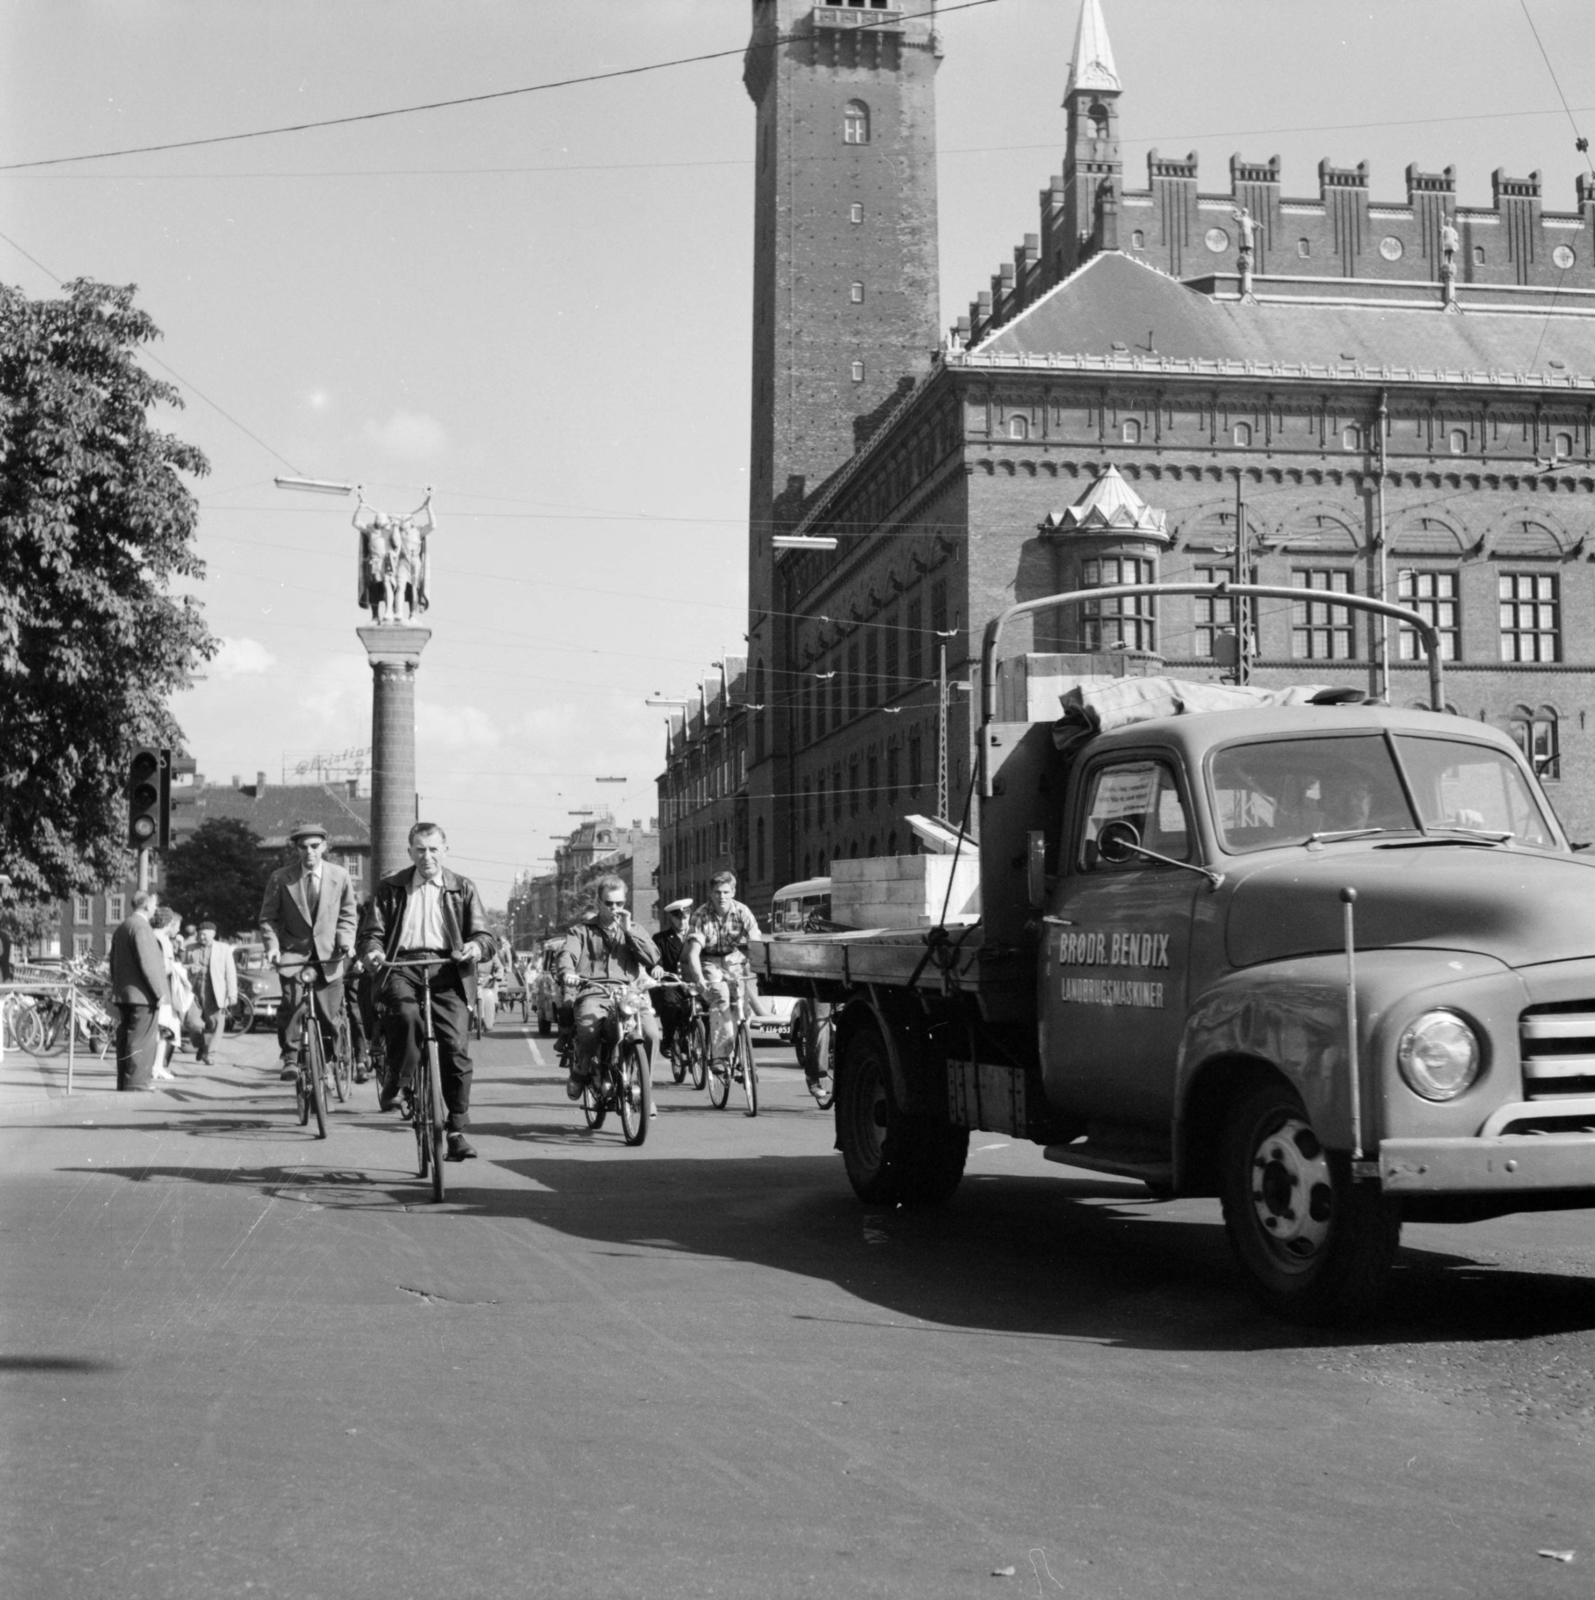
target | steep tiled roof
[
  {"x": 271, "y": 813},
  {"x": 1118, "y": 313}
]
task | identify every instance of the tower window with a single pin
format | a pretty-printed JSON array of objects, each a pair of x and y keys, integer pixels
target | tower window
[
  {"x": 1243, "y": 434},
  {"x": 1130, "y": 431},
  {"x": 1018, "y": 427},
  {"x": 1478, "y": 255},
  {"x": 1099, "y": 120},
  {"x": 1562, "y": 448},
  {"x": 1459, "y": 442},
  {"x": 855, "y": 212},
  {"x": 858, "y": 372},
  {"x": 855, "y": 123},
  {"x": 1304, "y": 248},
  {"x": 1351, "y": 438},
  {"x": 856, "y": 294},
  {"x": 1138, "y": 239}
]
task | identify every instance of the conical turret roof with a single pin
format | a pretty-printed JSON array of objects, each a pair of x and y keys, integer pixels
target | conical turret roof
[{"x": 1110, "y": 505}]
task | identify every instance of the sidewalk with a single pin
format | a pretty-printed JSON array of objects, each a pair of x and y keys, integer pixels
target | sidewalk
[{"x": 36, "y": 1085}]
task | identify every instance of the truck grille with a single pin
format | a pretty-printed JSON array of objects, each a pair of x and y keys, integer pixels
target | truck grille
[{"x": 1558, "y": 1050}]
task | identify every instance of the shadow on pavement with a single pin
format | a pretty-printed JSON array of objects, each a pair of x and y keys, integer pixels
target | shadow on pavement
[{"x": 1011, "y": 1257}]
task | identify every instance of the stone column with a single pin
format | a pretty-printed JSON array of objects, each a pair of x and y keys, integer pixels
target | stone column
[{"x": 395, "y": 653}]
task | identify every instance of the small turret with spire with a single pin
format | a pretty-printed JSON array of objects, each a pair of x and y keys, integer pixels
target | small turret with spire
[{"x": 1093, "y": 173}]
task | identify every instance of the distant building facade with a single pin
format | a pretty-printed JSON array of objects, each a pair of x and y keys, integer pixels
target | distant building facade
[
  {"x": 542, "y": 905},
  {"x": 1335, "y": 396}
]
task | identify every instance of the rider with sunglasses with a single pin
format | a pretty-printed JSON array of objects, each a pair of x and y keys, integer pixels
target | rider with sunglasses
[{"x": 604, "y": 945}]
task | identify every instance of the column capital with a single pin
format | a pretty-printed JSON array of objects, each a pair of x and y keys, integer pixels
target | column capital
[{"x": 393, "y": 645}]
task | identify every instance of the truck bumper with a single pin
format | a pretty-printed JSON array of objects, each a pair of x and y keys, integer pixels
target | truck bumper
[{"x": 1506, "y": 1165}]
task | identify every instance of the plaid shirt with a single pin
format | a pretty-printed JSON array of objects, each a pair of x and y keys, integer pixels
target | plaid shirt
[{"x": 718, "y": 935}]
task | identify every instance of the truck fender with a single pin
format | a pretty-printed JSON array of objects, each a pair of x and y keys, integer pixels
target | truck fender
[{"x": 865, "y": 1010}]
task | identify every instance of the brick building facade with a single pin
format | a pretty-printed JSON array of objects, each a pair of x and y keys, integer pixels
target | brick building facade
[{"x": 1372, "y": 402}]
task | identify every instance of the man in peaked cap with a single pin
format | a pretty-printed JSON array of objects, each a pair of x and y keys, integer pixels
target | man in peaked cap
[{"x": 308, "y": 915}]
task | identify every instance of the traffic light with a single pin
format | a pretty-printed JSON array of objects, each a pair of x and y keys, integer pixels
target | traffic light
[{"x": 149, "y": 799}]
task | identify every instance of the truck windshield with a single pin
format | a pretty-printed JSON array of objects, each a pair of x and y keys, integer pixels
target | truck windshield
[
  {"x": 1471, "y": 788},
  {"x": 1284, "y": 791}
]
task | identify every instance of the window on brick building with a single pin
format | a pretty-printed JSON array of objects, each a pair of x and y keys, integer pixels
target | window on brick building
[
  {"x": 872, "y": 667},
  {"x": 836, "y": 792},
  {"x": 1433, "y": 595},
  {"x": 115, "y": 908},
  {"x": 1129, "y": 623},
  {"x": 855, "y": 293},
  {"x": 819, "y": 799},
  {"x": 892, "y": 638},
  {"x": 1320, "y": 631},
  {"x": 852, "y": 679},
  {"x": 1304, "y": 248},
  {"x": 1242, "y": 434},
  {"x": 914, "y": 643},
  {"x": 916, "y": 760},
  {"x": 1531, "y": 627},
  {"x": 1130, "y": 431},
  {"x": 758, "y": 848},
  {"x": 83, "y": 909},
  {"x": 858, "y": 372},
  {"x": 758, "y": 715},
  {"x": 1459, "y": 442},
  {"x": 83, "y": 946},
  {"x": 1138, "y": 241},
  {"x": 872, "y": 779},
  {"x": 855, "y": 123},
  {"x": 1019, "y": 427},
  {"x": 852, "y": 786},
  {"x": 1213, "y": 614},
  {"x": 891, "y": 776},
  {"x": 1562, "y": 446},
  {"x": 938, "y": 614},
  {"x": 1478, "y": 255},
  {"x": 1537, "y": 737},
  {"x": 1351, "y": 438},
  {"x": 855, "y": 212}
]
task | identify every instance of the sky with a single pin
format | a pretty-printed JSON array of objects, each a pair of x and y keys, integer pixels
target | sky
[{"x": 539, "y": 307}]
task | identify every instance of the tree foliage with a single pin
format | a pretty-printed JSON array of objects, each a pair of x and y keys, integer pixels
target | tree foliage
[
  {"x": 218, "y": 873},
  {"x": 95, "y": 524}
]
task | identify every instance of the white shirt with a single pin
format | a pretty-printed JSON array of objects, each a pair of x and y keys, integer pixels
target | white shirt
[{"x": 423, "y": 915}]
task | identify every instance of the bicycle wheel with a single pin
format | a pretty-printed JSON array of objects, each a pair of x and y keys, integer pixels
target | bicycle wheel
[
  {"x": 636, "y": 1093},
  {"x": 24, "y": 1025},
  {"x": 698, "y": 1061},
  {"x": 316, "y": 1066},
  {"x": 595, "y": 1102},
  {"x": 434, "y": 1075},
  {"x": 750, "y": 1071},
  {"x": 342, "y": 1066},
  {"x": 720, "y": 1081},
  {"x": 679, "y": 1055},
  {"x": 824, "y": 1089}
]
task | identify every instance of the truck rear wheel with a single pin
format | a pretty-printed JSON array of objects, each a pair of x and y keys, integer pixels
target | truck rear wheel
[
  {"x": 1316, "y": 1246},
  {"x": 891, "y": 1157}
]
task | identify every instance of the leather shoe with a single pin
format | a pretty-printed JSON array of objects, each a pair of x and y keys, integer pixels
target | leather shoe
[
  {"x": 288, "y": 1074},
  {"x": 574, "y": 1087},
  {"x": 388, "y": 1102},
  {"x": 460, "y": 1148}
]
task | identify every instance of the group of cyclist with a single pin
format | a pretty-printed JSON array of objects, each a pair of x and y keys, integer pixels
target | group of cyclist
[{"x": 425, "y": 929}]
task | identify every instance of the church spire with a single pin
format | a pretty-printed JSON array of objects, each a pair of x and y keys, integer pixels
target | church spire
[{"x": 1092, "y": 69}]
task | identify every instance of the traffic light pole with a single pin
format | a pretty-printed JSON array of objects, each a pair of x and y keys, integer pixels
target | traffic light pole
[{"x": 143, "y": 870}]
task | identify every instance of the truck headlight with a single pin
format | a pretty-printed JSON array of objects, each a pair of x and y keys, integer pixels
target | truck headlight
[{"x": 1439, "y": 1055}]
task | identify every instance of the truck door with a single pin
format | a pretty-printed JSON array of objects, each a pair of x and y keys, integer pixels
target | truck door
[{"x": 1117, "y": 949}]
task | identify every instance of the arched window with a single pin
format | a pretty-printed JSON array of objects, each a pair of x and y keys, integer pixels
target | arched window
[
  {"x": 1537, "y": 733},
  {"x": 1242, "y": 434},
  {"x": 1562, "y": 447},
  {"x": 1130, "y": 431},
  {"x": 1304, "y": 247},
  {"x": 1478, "y": 255},
  {"x": 1351, "y": 438},
  {"x": 1138, "y": 240},
  {"x": 1099, "y": 120},
  {"x": 1019, "y": 427},
  {"x": 855, "y": 123},
  {"x": 891, "y": 843},
  {"x": 855, "y": 293},
  {"x": 1459, "y": 441}
]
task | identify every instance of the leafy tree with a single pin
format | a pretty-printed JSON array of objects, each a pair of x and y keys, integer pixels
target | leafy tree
[
  {"x": 218, "y": 873},
  {"x": 95, "y": 523}
]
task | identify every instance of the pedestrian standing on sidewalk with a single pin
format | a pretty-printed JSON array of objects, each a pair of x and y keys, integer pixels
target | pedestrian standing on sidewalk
[
  {"x": 138, "y": 984},
  {"x": 215, "y": 987}
]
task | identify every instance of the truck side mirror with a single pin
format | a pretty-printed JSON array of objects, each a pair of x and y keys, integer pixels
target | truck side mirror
[
  {"x": 1036, "y": 869},
  {"x": 1118, "y": 842}
]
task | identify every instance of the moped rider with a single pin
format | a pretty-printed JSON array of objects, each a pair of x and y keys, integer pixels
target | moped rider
[{"x": 604, "y": 945}]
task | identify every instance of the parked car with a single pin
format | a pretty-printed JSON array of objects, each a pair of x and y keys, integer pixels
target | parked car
[{"x": 259, "y": 989}]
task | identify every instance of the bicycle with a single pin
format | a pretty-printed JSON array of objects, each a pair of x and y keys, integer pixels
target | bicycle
[
  {"x": 94, "y": 1027},
  {"x": 621, "y": 1081},
  {"x": 426, "y": 1112},
  {"x": 688, "y": 1054},
  {"x": 739, "y": 1067},
  {"x": 343, "y": 1060},
  {"x": 310, "y": 1081},
  {"x": 21, "y": 1026},
  {"x": 814, "y": 1043}
]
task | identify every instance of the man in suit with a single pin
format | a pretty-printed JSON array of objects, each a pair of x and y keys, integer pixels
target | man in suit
[
  {"x": 138, "y": 985},
  {"x": 428, "y": 911},
  {"x": 215, "y": 986},
  {"x": 308, "y": 915}
]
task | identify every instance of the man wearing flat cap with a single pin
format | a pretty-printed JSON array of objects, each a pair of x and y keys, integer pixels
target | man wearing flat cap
[
  {"x": 215, "y": 986},
  {"x": 308, "y": 916}
]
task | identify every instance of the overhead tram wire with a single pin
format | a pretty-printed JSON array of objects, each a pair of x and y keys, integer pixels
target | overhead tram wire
[{"x": 461, "y": 100}]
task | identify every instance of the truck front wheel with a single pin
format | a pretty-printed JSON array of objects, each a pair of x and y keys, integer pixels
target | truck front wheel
[
  {"x": 1316, "y": 1246},
  {"x": 891, "y": 1157}
]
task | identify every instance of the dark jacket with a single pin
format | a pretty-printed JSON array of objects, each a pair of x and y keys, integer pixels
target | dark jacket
[
  {"x": 669, "y": 942},
  {"x": 464, "y": 920},
  {"x": 138, "y": 974},
  {"x": 591, "y": 953}
]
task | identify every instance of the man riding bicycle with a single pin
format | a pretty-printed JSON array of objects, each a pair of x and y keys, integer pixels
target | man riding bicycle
[
  {"x": 672, "y": 1003},
  {"x": 719, "y": 927},
  {"x": 308, "y": 914},
  {"x": 604, "y": 945},
  {"x": 426, "y": 913}
]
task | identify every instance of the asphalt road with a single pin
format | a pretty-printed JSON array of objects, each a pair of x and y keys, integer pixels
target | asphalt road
[{"x": 237, "y": 1361}]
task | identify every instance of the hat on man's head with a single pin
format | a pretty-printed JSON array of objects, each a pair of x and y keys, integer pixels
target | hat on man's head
[
  {"x": 204, "y": 925},
  {"x": 684, "y": 904},
  {"x": 305, "y": 830}
]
